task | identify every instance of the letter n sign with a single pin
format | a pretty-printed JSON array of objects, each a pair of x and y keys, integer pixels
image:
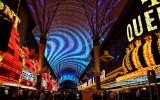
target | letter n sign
[{"x": 151, "y": 76}]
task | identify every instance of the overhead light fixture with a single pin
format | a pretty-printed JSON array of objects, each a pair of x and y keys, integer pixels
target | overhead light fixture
[{"x": 106, "y": 57}]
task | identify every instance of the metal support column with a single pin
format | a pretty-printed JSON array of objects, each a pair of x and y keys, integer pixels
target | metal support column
[{"x": 97, "y": 63}]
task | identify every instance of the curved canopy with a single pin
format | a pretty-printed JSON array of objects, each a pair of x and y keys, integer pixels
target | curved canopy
[{"x": 70, "y": 35}]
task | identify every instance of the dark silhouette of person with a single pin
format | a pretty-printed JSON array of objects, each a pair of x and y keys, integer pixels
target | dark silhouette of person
[
  {"x": 24, "y": 95},
  {"x": 94, "y": 96},
  {"x": 105, "y": 96}
]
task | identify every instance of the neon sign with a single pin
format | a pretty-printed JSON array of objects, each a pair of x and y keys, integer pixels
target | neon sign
[
  {"x": 102, "y": 75},
  {"x": 11, "y": 15},
  {"x": 26, "y": 74},
  {"x": 89, "y": 81},
  {"x": 153, "y": 2},
  {"x": 149, "y": 23},
  {"x": 84, "y": 85}
]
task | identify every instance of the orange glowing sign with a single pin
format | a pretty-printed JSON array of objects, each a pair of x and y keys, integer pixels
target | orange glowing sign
[{"x": 12, "y": 16}]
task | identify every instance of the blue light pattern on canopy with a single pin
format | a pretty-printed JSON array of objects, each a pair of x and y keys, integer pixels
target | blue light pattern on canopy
[{"x": 69, "y": 40}]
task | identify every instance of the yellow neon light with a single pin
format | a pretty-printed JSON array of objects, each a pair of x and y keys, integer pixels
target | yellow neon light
[
  {"x": 147, "y": 53},
  {"x": 135, "y": 74},
  {"x": 135, "y": 57}
]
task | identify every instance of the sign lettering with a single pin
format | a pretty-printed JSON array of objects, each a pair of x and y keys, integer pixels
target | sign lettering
[
  {"x": 12, "y": 16},
  {"x": 136, "y": 27},
  {"x": 153, "y": 2}
]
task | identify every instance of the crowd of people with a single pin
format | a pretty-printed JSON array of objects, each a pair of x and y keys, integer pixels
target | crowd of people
[
  {"x": 27, "y": 94},
  {"x": 127, "y": 94},
  {"x": 58, "y": 96},
  {"x": 99, "y": 96}
]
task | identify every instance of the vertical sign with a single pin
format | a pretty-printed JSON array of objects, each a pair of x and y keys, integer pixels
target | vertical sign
[
  {"x": 151, "y": 76},
  {"x": 152, "y": 79},
  {"x": 38, "y": 86}
]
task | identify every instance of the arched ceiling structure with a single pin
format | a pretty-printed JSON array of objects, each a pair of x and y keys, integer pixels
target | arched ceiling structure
[{"x": 70, "y": 39}]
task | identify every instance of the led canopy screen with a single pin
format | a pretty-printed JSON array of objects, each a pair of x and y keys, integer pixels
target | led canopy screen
[{"x": 70, "y": 39}]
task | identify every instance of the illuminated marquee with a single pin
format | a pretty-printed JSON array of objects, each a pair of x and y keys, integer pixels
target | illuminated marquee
[
  {"x": 26, "y": 74},
  {"x": 141, "y": 26},
  {"x": 150, "y": 22},
  {"x": 134, "y": 74},
  {"x": 11, "y": 15}
]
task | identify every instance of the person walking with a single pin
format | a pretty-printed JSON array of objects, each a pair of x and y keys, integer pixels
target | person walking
[{"x": 42, "y": 95}]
